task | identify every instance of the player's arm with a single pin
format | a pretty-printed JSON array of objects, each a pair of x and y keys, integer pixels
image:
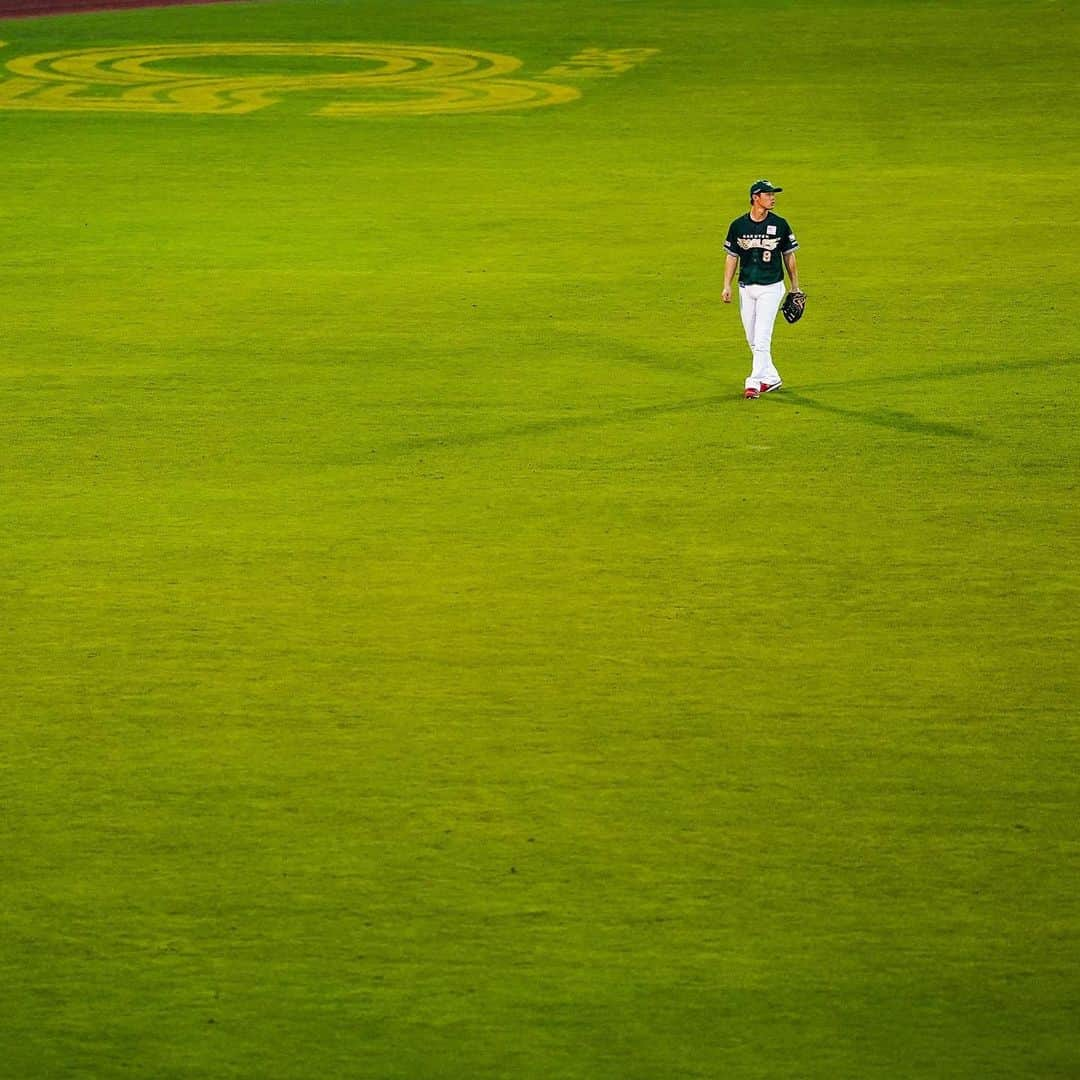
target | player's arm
[
  {"x": 792, "y": 269},
  {"x": 730, "y": 265}
]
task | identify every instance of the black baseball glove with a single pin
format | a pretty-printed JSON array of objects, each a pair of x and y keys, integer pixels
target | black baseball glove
[{"x": 793, "y": 306}]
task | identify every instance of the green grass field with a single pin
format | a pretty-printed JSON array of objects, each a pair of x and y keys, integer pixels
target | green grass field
[{"x": 418, "y": 662}]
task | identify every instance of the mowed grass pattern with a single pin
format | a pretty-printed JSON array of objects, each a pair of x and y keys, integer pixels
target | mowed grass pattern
[{"x": 418, "y": 662}]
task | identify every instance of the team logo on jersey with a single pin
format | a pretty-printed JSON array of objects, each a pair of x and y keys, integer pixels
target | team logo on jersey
[{"x": 747, "y": 243}]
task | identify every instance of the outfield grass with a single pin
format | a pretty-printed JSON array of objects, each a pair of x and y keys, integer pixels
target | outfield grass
[{"x": 418, "y": 661}]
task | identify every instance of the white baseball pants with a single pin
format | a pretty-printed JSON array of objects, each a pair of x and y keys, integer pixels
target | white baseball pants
[{"x": 758, "y": 305}]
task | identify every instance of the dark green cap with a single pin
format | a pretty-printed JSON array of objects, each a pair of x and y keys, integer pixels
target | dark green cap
[{"x": 758, "y": 186}]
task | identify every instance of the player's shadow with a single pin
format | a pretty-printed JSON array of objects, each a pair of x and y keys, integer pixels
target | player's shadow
[
  {"x": 563, "y": 423},
  {"x": 893, "y": 419},
  {"x": 959, "y": 371},
  {"x": 902, "y": 421}
]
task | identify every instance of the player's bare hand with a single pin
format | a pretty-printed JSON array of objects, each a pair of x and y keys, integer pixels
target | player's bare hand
[{"x": 726, "y": 294}]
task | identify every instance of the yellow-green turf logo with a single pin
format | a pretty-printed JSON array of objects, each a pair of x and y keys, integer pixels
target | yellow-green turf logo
[{"x": 359, "y": 79}]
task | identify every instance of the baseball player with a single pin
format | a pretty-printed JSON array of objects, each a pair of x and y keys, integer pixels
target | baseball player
[{"x": 760, "y": 244}]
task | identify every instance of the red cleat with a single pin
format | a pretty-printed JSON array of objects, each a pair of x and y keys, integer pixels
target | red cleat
[
  {"x": 768, "y": 388},
  {"x": 750, "y": 393}
]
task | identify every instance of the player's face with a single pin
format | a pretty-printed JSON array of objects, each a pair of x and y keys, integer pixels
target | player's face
[{"x": 766, "y": 199}]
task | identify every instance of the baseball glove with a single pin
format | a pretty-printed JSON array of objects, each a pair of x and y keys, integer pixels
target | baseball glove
[{"x": 793, "y": 306}]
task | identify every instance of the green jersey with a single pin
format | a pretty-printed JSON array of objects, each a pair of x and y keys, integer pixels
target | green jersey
[{"x": 759, "y": 247}]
